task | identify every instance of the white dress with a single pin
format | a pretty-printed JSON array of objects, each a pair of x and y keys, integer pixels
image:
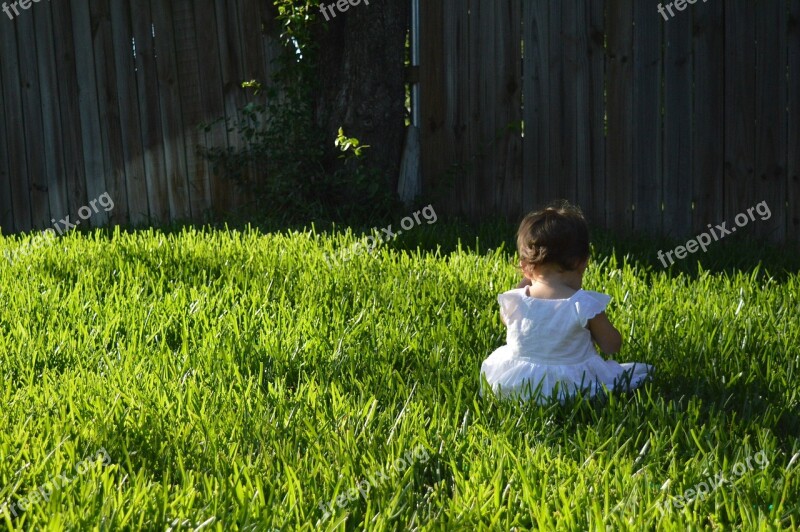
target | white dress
[{"x": 549, "y": 351}]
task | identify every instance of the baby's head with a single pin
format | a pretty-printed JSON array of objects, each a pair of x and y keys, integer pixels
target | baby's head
[{"x": 556, "y": 236}]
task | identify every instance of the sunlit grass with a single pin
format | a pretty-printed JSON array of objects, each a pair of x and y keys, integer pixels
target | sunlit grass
[{"x": 238, "y": 380}]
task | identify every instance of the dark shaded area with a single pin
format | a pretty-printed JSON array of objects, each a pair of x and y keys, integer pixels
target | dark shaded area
[{"x": 361, "y": 75}]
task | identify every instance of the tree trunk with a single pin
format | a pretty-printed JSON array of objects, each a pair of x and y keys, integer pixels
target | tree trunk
[{"x": 362, "y": 80}]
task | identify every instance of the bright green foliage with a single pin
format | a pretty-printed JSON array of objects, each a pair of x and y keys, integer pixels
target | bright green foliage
[
  {"x": 349, "y": 145},
  {"x": 237, "y": 381}
]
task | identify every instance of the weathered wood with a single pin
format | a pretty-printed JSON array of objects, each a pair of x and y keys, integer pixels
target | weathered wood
[
  {"x": 594, "y": 13},
  {"x": 793, "y": 148},
  {"x": 740, "y": 126},
  {"x": 74, "y": 171},
  {"x": 494, "y": 41},
  {"x": 211, "y": 98},
  {"x": 708, "y": 133},
  {"x": 536, "y": 102},
  {"x": 89, "y": 114},
  {"x": 52, "y": 143},
  {"x": 32, "y": 118},
  {"x": 461, "y": 99},
  {"x": 6, "y": 209},
  {"x": 677, "y": 147},
  {"x": 171, "y": 120},
  {"x": 150, "y": 113},
  {"x": 648, "y": 127},
  {"x": 567, "y": 184},
  {"x": 771, "y": 121},
  {"x": 232, "y": 71},
  {"x": 553, "y": 181},
  {"x": 408, "y": 185},
  {"x": 585, "y": 116},
  {"x": 15, "y": 129},
  {"x": 6, "y": 205},
  {"x": 82, "y": 116},
  {"x": 110, "y": 124},
  {"x": 508, "y": 92},
  {"x": 128, "y": 109},
  {"x": 619, "y": 154},
  {"x": 188, "y": 67},
  {"x": 434, "y": 159}
]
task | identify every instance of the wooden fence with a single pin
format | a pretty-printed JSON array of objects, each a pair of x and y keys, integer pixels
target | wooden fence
[
  {"x": 104, "y": 96},
  {"x": 649, "y": 124}
]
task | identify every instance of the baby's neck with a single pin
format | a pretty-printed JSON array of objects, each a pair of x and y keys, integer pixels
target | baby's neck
[{"x": 550, "y": 289}]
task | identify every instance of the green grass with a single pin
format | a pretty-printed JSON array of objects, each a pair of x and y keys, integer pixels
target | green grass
[{"x": 236, "y": 381}]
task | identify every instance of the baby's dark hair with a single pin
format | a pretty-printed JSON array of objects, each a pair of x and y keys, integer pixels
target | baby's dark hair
[{"x": 557, "y": 234}]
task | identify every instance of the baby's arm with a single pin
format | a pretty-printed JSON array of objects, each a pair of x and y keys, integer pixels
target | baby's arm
[{"x": 604, "y": 334}]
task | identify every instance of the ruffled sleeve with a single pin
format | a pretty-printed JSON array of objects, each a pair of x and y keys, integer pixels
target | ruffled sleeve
[
  {"x": 509, "y": 305},
  {"x": 589, "y": 304}
]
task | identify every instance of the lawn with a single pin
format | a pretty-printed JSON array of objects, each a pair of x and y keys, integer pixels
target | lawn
[{"x": 225, "y": 380}]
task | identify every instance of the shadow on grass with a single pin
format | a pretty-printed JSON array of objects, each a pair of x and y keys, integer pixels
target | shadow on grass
[
  {"x": 729, "y": 256},
  {"x": 733, "y": 254}
]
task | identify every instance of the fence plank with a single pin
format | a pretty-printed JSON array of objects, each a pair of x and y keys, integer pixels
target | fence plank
[
  {"x": 211, "y": 99},
  {"x": 432, "y": 98},
  {"x": 508, "y": 91},
  {"x": 793, "y": 149},
  {"x": 171, "y": 120},
  {"x": 595, "y": 13},
  {"x": 619, "y": 155},
  {"x": 32, "y": 118},
  {"x": 74, "y": 173},
  {"x": 709, "y": 113},
  {"x": 771, "y": 121},
  {"x": 536, "y": 102},
  {"x": 740, "y": 61},
  {"x": 554, "y": 182},
  {"x": 189, "y": 81},
  {"x": 648, "y": 128},
  {"x": 569, "y": 91},
  {"x": 7, "y": 225},
  {"x": 128, "y": 109},
  {"x": 150, "y": 114},
  {"x": 461, "y": 92},
  {"x": 52, "y": 143},
  {"x": 14, "y": 126},
  {"x": 232, "y": 76},
  {"x": 495, "y": 103},
  {"x": 89, "y": 113},
  {"x": 110, "y": 125},
  {"x": 586, "y": 105},
  {"x": 677, "y": 148}
]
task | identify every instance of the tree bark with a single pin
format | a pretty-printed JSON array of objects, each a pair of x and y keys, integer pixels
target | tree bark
[{"x": 362, "y": 80}]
